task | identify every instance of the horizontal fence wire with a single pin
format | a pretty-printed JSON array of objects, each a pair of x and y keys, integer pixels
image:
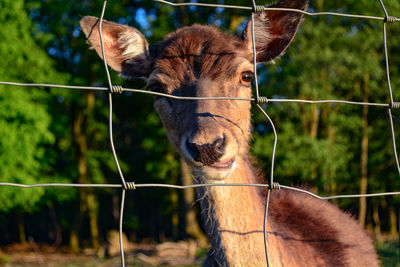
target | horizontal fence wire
[
  {"x": 271, "y": 185},
  {"x": 259, "y": 8},
  {"x": 262, "y": 99},
  {"x": 133, "y": 186}
]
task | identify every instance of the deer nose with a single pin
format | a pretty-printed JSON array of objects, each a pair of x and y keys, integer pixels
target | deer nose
[{"x": 207, "y": 154}]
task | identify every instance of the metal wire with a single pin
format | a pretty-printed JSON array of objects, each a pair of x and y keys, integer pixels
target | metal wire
[
  {"x": 270, "y": 181},
  {"x": 121, "y": 220},
  {"x": 183, "y": 187},
  {"x": 60, "y": 184},
  {"x": 261, "y": 99},
  {"x": 253, "y": 40},
  {"x": 263, "y": 8},
  {"x": 265, "y": 226},
  {"x": 203, "y": 5},
  {"x": 392, "y": 105},
  {"x": 393, "y": 140},
  {"x": 110, "y": 127},
  {"x": 110, "y": 86},
  {"x": 258, "y": 100}
]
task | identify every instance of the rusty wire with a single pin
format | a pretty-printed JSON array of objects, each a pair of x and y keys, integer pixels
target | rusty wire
[{"x": 127, "y": 185}]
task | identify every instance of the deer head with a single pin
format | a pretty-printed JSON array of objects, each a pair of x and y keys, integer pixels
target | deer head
[{"x": 200, "y": 61}]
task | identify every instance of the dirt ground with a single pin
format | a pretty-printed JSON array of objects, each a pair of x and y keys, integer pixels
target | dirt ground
[{"x": 183, "y": 253}]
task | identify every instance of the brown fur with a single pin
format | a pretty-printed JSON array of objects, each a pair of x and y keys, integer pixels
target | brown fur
[
  {"x": 203, "y": 50},
  {"x": 322, "y": 226},
  {"x": 212, "y": 136}
]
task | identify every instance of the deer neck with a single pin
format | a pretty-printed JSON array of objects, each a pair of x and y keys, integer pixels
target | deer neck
[{"x": 233, "y": 218}]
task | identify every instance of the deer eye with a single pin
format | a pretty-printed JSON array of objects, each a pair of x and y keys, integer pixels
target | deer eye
[{"x": 246, "y": 78}]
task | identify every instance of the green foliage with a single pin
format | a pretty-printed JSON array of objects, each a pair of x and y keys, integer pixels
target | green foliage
[
  {"x": 330, "y": 58},
  {"x": 4, "y": 259},
  {"x": 24, "y": 116},
  {"x": 388, "y": 253}
]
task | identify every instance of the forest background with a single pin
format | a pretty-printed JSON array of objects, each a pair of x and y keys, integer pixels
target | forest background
[{"x": 59, "y": 135}]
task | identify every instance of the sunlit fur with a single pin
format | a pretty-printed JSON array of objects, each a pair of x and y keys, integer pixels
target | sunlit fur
[
  {"x": 132, "y": 45},
  {"x": 191, "y": 64}
]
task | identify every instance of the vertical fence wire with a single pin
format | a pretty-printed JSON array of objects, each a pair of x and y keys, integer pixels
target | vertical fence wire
[
  {"x": 391, "y": 104},
  {"x": 253, "y": 42},
  {"x": 271, "y": 183},
  {"x": 110, "y": 90},
  {"x": 121, "y": 219}
]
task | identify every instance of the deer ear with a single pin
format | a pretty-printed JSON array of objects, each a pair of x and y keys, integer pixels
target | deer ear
[
  {"x": 126, "y": 49},
  {"x": 274, "y": 30}
]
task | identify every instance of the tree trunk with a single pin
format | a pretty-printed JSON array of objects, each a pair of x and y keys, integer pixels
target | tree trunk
[
  {"x": 74, "y": 240},
  {"x": 314, "y": 123},
  {"x": 331, "y": 175},
  {"x": 377, "y": 222},
  {"x": 88, "y": 201},
  {"x": 93, "y": 208},
  {"x": 191, "y": 225},
  {"x": 314, "y": 134},
  {"x": 364, "y": 157},
  {"x": 21, "y": 228},
  {"x": 58, "y": 232},
  {"x": 175, "y": 216},
  {"x": 364, "y": 169},
  {"x": 319, "y": 4},
  {"x": 392, "y": 218},
  {"x": 115, "y": 208}
]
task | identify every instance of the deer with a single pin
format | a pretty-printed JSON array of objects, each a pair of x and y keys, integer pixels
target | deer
[{"x": 212, "y": 136}]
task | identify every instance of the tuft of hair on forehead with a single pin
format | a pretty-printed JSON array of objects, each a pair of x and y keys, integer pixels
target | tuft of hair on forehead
[
  {"x": 200, "y": 51},
  {"x": 195, "y": 39}
]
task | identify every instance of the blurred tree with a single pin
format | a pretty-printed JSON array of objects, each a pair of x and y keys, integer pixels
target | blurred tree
[
  {"x": 83, "y": 141},
  {"x": 24, "y": 116},
  {"x": 329, "y": 146}
]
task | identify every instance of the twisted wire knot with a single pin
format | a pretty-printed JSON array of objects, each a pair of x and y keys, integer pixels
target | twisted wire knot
[
  {"x": 390, "y": 19},
  {"x": 130, "y": 186},
  {"x": 258, "y": 8},
  {"x": 262, "y": 100},
  {"x": 275, "y": 185},
  {"x": 394, "y": 105},
  {"x": 116, "y": 89}
]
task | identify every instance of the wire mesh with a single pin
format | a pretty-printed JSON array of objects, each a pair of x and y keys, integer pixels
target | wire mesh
[{"x": 128, "y": 185}]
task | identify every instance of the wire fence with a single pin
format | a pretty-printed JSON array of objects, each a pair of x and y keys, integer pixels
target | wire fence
[{"x": 271, "y": 185}]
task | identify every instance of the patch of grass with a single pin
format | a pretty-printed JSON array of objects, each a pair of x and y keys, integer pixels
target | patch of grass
[
  {"x": 201, "y": 252},
  {"x": 388, "y": 254},
  {"x": 4, "y": 258}
]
